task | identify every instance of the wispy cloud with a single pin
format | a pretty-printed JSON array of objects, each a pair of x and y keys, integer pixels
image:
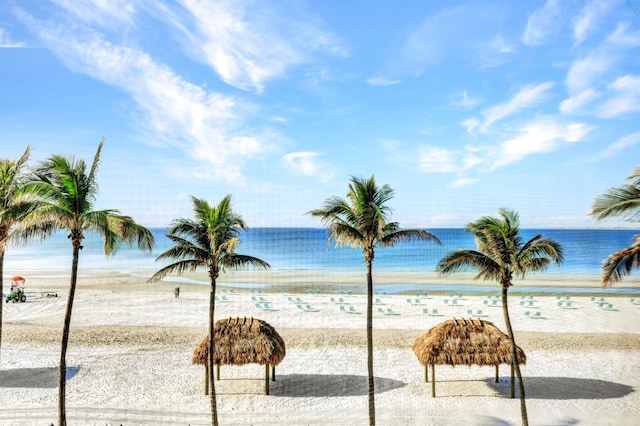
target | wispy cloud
[
  {"x": 542, "y": 23},
  {"x": 462, "y": 182},
  {"x": 539, "y": 136},
  {"x": 526, "y": 97},
  {"x": 465, "y": 101},
  {"x": 206, "y": 125},
  {"x": 588, "y": 18},
  {"x": 101, "y": 12},
  {"x": 307, "y": 164},
  {"x": 578, "y": 102},
  {"x": 250, "y": 44},
  {"x": 623, "y": 143},
  {"x": 381, "y": 81},
  {"x": 624, "y": 99},
  {"x": 432, "y": 159},
  {"x": 588, "y": 76},
  {"x": 7, "y": 42}
]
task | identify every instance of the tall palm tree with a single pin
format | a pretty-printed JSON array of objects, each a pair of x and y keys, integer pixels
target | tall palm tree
[
  {"x": 13, "y": 207},
  {"x": 363, "y": 221},
  {"x": 66, "y": 192},
  {"x": 501, "y": 255},
  {"x": 622, "y": 203},
  {"x": 209, "y": 241}
]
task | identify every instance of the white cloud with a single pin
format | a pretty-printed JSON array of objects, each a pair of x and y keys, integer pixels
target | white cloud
[
  {"x": 542, "y": 23},
  {"x": 470, "y": 124},
  {"x": 466, "y": 101},
  {"x": 381, "y": 81},
  {"x": 526, "y": 97},
  {"x": 583, "y": 73},
  {"x": 439, "y": 160},
  {"x": 204, "y": 124},
  {"x": 248, "y": 46},
  {"x": 7, "y": 42},
  {"x": 622, "y": 38},
  {"x": 461, "y": 182},
  {"x": 307, "y": 164},
  {"x": 624, "y": 99},
  {"x": 499, "y": 45},
  {"x": 576, "y": 103},
  {"x": 101, "y": 12},
  {"x": 620, "y": 145},
  {"x": 591, "y": 13},
  {"x": 540, "y": 136}
]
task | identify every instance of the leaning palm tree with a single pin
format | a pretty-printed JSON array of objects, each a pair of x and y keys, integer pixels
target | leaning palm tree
[
  {"x": 363, "y": 221},
  {"x": 66, "y": 192},
  {"x": 13, "y": 206},
  {"x": 209, "y": 241},
  {"x": 622, "y": 203},
  {"x": 501, "y": 255}
]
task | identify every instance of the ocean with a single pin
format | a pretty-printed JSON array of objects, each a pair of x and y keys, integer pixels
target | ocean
[{"x": 308, "y": 249}]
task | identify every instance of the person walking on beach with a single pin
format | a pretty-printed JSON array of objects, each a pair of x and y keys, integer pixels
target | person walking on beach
[{"x": 176, "y": 292}]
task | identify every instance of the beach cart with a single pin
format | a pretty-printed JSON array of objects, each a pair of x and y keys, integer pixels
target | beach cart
[{"x": 16, "y": 293}]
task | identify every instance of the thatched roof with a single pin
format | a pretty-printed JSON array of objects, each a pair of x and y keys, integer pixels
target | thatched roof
[
  {"x": 465, "y": 342},
  {"x": 240, "y": 341}
]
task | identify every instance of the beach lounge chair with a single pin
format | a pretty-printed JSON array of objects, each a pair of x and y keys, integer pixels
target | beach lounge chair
[
  {"x": 379, "y": 302},
  {"x": 391, "y": 312},
  {"x": 352, "y": 310},
  {"x": 418, "y": 301},
  {"x": 479, "y": 313},
  {"x": 409, "y": 301},
  {"x": 435, "y": 313},
  {"x": 425, "y": 311},
  {"x": 380, "y": 311}
]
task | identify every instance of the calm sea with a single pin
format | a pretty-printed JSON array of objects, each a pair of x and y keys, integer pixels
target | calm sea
[{"x": 305, "y": 249}]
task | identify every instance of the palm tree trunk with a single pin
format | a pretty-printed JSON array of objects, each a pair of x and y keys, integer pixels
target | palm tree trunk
[
  {"x": 212, "y": 386},
  {"x": 62, "y": 372},
  {"x": 372, "y": 405},
  {"x": 514, "y": 356},
  {"x": 1, "y": 301}
]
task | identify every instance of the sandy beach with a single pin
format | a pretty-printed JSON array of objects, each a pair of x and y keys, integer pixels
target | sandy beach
[{"x": 131, "y": 345}]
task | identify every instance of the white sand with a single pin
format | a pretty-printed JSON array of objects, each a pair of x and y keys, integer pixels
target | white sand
[{"x": 131, "y": 346}]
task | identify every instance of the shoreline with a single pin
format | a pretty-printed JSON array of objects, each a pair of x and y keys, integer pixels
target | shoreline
[{"x": 301, "y": 281}]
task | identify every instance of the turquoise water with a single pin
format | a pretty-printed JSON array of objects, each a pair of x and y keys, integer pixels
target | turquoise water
[{"x": 307, "y": 249}]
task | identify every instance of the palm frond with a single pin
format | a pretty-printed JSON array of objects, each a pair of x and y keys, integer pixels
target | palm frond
[
  {"x": 621, "y": 203},
  {"x": 177, "y": 268},
  {"x": 463, "y": 260},
  {"x": 621, "y": 263},
  {"x": 240, "y": 261},
  {"x": 408, "y": 235}
]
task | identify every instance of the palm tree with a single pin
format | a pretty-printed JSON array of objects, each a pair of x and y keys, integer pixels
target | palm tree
[
  {"x": 501, "y": 255},
  {"x": 363, "y": 221},
  {"x": 210, "y": 241},
  {"x": 13, "y": 207},
  {"x": 622, "y": 203},
  {"x": 66, "y": 192}
]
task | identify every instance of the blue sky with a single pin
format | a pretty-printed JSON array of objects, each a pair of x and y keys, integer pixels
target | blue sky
[{"x": 461, "y": 107}]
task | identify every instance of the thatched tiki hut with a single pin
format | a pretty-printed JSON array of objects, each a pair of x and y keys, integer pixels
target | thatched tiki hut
[
  {"x": 464, "y": 342},
  {"x": 240, "y": 341}
]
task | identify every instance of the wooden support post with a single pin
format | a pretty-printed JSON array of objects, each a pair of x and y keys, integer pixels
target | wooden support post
[
  {"x": 513, "y": 389},
  {"x": 217, "y": 371},
  {"x": 433, "y": 380},
  {"x": 206, "y": 379},
  {"x": 497, "y": 372},
  {"x": 266, "y": 380},
  {"x": 273, "y": 373},
  {"x": 426, "y": 373}
]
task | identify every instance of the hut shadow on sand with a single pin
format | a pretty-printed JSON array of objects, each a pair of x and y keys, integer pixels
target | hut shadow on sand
[
  {"x": 331, "y": 385},
  {"x": 34, "y": 378},
  {"x": 240, "y": 341},
  {"x": 464, "y": 342},
  {"x": 564, "y": 388}
]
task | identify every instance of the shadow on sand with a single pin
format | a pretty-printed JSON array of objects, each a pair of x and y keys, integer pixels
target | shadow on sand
[
  {"x": 33, "y": 378},
  {"x": 567, "y": 388},
  {"x": 323, "y": 385}
]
